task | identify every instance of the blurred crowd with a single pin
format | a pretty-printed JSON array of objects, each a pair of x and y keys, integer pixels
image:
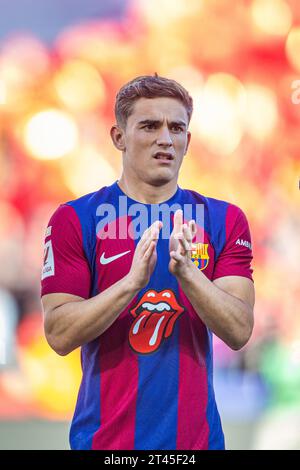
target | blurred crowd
[{"x": 240, "y": 61}]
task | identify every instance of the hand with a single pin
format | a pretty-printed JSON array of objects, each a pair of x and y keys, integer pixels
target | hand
[
  {"x": 181, "y": 244},
  {"x": 145, "y": 256}
]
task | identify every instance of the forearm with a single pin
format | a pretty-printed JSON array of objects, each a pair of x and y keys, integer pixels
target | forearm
[
  {"x": 225, "y": 315},
  {"x": 76, "y": 323}
]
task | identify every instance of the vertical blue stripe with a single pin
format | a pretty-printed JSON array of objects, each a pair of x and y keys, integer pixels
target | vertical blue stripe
[
  {"x": 157, "y": 400},
  {"x": 156, "y": 417}
]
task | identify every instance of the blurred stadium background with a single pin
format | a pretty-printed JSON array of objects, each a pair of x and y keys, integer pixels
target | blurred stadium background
[{"x": 61, "y": 64}]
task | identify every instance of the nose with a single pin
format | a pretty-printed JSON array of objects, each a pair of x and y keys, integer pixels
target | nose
[{"x": 164, "y": 138}]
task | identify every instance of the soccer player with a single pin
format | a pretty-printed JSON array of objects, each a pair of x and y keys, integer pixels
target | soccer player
[{"x": 140, "y": 274}]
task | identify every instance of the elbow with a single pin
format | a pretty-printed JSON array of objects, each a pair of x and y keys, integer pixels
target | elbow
[
  {"x": 245, "y": 331},
  {"x": 236, "y": 346},
  {"x": 59, "y": 345},
  {"x": 242, "y": 339},
  {"x": 60, "y": 342},
  {"x": 62, "y": 351}
]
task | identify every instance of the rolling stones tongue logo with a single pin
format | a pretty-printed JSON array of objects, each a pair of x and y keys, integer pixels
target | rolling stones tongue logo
[{"x": 155, "y": 317}]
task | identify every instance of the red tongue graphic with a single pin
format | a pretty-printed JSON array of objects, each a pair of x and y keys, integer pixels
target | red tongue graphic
[{"x": 149, "y": 329}]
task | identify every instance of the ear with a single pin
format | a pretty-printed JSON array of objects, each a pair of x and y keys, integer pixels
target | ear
[
  {"x": 189, "y": 135},
  {"x": 118, "y": 137}
]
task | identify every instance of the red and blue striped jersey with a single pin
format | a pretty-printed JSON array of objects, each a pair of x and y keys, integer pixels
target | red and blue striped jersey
[{"x": 148, "y": 379}]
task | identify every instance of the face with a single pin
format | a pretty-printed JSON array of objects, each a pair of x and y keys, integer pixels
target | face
[{"x": 155, "y": 140}]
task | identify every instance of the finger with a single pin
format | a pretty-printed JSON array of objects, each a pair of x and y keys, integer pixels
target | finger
[
  {"x": 176, "y": 256},
  {"x": 146, "y": 233},
  {"x": 150, "y": 250},
  {"x": 146, "y": 244},
  {"x": 187, "y": 233},
  {"x": 193, "y": 228},
  {"x": 151, "y": 232},
  {"x": 185, "y": 238},
  {"x": 183, "y": 243},
  {"x": 143, "y": 238},
  {"x": 178, "y": 219},
  {"x": 155, "y": 229}
]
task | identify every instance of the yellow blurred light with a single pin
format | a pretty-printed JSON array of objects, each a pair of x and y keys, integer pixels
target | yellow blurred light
[
  {"x": 261, "y": 111},
  {"x": 87, "y": 171},
  {"x": 104, "y": 47},
  {"x": 53, "y": 380},
  {"x": 162, "y": 12},
  {"x": 218, "y": 113},
  {"x": 14, "y": 95},
  {"x": 50, "y": 134},
  {"x": 188, "y": 76},
  {"x": 272, "y": 16},
  {"x": 11, "y": 74},
  {"x": 23, "y": 60},
  {"x": 79, "y": 86},
  {"x": 292, "y": 48},
  {"x": 2, "y": 93}
]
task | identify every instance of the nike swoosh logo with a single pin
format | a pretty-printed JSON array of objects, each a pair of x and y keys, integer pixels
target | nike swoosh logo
[{"x": 104, "y": 260}]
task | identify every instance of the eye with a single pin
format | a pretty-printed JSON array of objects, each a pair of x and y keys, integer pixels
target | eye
[
  {"x": 151, "y": 294},
  {"x": 150, "y": 126},
  {"x": 177, "y": 128},
  {"x": 166, "y": 294}
]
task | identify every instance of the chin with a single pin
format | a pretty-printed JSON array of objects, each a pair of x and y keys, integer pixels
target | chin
[{"x": 160, "y": 180}]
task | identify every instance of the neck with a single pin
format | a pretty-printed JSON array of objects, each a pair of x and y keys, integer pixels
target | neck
[{"x": 145, "y": 192}]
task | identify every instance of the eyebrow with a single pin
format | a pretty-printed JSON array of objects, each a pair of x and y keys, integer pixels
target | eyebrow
[{"x": 156, "y": 121}]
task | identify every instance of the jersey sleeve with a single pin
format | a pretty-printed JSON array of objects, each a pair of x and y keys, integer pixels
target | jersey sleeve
[
  {"x": 66, "y": 268},
  {"x": 236, "y": 257}
]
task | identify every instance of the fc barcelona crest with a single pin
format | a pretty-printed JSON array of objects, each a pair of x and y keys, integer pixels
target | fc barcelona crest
[{"x": 199, "y": 255}]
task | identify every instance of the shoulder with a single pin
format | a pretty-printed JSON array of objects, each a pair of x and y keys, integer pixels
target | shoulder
[
  {"x": 90, "y": 200},
  {"x": 198, "y": 197},
  {"x": 215, "y": 208},
  {"x": 214, "y": 205}
]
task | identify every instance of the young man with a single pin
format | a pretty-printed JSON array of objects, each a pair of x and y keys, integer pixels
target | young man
[{"x": 140, "y": 274}]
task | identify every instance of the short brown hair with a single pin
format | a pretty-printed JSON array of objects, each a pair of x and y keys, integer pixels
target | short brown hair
[{"x": 148, "y": 86}]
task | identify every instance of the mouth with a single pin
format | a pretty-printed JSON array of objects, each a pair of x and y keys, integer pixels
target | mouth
[
  {"x": 156, "y": 313},
  {"x": 154, "y": 321},
  {"x": 151, "y": 308},
  {"x": 163, "y": 156}
]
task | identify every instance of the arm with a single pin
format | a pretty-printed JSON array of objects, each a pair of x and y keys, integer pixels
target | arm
[
  {"x": 71, "y": 321},
  {"x": 224, "y": 305}
]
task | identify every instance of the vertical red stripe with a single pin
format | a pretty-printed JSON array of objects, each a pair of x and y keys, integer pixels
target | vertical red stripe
[
  {"x": 193, "y": 429},
  {"x": 118, "y": 364}
]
